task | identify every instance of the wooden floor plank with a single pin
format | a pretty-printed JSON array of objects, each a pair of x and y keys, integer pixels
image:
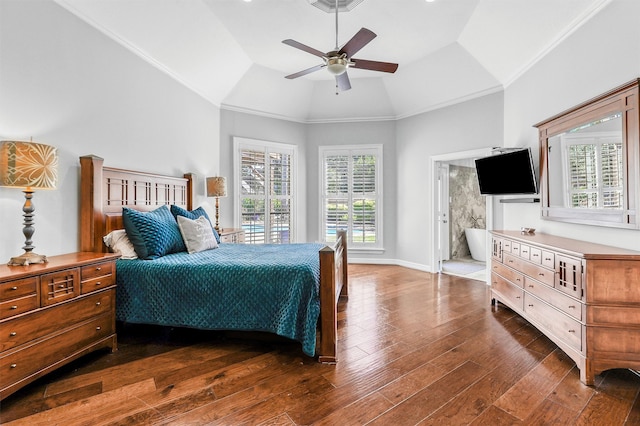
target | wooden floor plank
[{"x": 414, "y": 348}]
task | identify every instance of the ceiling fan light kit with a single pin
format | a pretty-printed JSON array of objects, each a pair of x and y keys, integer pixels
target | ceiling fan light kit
[
  {"x": 337, "y": 65},
  {"x": 337, "y": 61}
]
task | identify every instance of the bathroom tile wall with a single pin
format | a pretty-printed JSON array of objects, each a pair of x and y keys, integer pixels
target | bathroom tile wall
[{"x": 467, "y": 208}]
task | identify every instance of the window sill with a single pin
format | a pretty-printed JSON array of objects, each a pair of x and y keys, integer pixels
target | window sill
[{"x": 372, "y": 250}]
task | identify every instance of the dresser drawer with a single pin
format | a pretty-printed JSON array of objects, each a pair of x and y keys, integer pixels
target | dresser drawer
[
  {"x": 548, "y": 259},
  {"x": 59, "y": 286},
  {"x": 544, "y": 275},
  {"x": 535, "y": 255},
  {"x": 514, "y": 276},
  {"x": 510, "y": 293},
  {"x": 513, "y": 262},
  {"x": 95, "y": 284},
  {"x": 18, "y": 306},
  {"x": 95, "y": 271},
  {"x": 18, "y": 365},
  {"x": 515, "y": 248},
  {"x": 18, "y": 288},
  {"x": 525, "y": 251},
  {"x": 566, "y": 304},
  {"x": 34, "y": 326},
  {"x": 560, "y": 325}
]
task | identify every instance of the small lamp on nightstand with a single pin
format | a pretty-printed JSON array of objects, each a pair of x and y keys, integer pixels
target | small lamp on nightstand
[
  {"x": 216, "y": 187},
  {"x": 29, "y": 166}
]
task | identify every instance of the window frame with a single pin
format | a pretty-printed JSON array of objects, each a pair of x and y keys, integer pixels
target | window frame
[
  {"x": 351, "y": 150},
  {"x": 241, "y": 143}
]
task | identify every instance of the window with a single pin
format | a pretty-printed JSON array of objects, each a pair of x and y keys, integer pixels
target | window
[
  {"x": 352, "y": 194},
  {"x": 265, "y": 171},
  {"x": 595, "y": 171}
]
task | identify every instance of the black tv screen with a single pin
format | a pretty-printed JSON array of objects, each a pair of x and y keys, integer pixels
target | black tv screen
[{"x": 507, "y": 173}]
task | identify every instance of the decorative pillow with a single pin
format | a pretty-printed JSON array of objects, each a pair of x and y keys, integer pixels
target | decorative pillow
[
  {"x": 194, "y": 214},
  {"x": 197, "y": 234},
  {"x": 153, "y": 234},
  {"x": 118, "y": 242}
]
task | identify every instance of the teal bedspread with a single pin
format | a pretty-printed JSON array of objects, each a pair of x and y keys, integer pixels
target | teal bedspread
[{"x": 272, "y": 288}]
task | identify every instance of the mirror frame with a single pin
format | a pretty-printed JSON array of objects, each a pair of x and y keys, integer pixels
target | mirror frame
[{"x": 623, "y": 99}]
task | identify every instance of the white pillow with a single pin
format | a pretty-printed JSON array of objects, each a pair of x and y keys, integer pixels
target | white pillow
[
  {"x": 118, "y": 242},
  {"x": 197, "y": 234}
]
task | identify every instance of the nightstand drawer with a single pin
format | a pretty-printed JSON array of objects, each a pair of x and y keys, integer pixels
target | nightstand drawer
[
  {"x": 59, "y": 286},
  {"x": 18, "y": 288}
]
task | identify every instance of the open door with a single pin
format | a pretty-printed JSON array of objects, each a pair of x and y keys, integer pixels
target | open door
[{"x": 443, "y": 214}]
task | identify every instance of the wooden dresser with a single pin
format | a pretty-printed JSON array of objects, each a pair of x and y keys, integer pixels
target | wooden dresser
[
  {"x": 52, "y": 313},
  {"x": 232, "y": 235},
  {"x": 585, "y": 297}
]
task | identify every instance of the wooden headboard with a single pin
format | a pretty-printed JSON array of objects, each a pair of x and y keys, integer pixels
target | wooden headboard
[{"x": 104, "y": 191}]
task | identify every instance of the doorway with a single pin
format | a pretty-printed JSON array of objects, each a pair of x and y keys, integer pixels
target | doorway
[{"x": 448, "y": 222}]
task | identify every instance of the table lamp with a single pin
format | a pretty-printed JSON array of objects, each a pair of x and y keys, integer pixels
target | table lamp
[
  {"x": 29, "y": 166},
  {"x": 216, "y": 187}
]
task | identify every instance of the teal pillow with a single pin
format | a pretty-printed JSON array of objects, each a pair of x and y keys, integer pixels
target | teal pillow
[
  {"x": 153, "y": 234},
  {"x": 193, "y": 215}
]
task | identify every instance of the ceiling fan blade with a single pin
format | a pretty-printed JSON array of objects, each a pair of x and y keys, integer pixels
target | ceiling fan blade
[
  {"x": 342, "y": 80},
  {"x": 357, "y": 42},
  {"x": 374, "y": 65},
  {"x": 305, "y": 72},
  {"x": 304, "y": 47}
]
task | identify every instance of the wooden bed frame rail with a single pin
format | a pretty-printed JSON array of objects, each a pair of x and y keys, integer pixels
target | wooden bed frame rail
[{"x": 104, "y": 191}]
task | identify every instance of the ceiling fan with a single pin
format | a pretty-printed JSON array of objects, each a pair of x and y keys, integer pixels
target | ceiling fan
[{"x": 338, "y": 60}]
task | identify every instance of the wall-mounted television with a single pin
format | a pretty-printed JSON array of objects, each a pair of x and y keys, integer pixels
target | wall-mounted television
[{"x": 507, "y": 173}]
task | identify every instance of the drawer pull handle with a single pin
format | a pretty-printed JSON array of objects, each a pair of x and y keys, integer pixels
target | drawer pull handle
[
  {"x": 531, "y": 306},
  {"x": 98, "y": 328},
  {"x": 572, "y": 307},
  {"x": 572, "y": 331},
  {"x": 14, "y": 365},
  {"x": 14, "y": 288},
  {"x": 60, "y": 285},
  {"x": 535, "y": 255},
  {"x": 541, "y": 274},
  {"x": 517, "y": 297},
  {"x": 547, "y": 259},
  {"x": 531, "y": 286},
  {"x": 98, "y": 303},
  {"x": 517, "y": 279},
  {"x": 14, "y": 306},
  {"x": 13, "y": 333},
  {"x": 98, "y": 283},
  {"x": 510, "y": 261},
  {"x": 98, "y": 268}
]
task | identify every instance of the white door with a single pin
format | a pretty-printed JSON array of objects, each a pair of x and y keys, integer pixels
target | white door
[{"x": 443, "y": 213}]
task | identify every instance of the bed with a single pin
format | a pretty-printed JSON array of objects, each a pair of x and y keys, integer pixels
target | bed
[{"x": 222, "y": 289}]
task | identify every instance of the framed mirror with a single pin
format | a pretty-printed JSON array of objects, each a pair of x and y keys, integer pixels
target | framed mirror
[{"x": 590, "y": 161}]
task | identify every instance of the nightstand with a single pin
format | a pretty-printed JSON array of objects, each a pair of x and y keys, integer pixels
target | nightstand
[
  {"x": 52, "y": 313},
  {"x": 232, "y": 235}
]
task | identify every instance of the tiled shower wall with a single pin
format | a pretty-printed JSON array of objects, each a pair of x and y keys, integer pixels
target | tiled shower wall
[{"x": 467, "y": 208}]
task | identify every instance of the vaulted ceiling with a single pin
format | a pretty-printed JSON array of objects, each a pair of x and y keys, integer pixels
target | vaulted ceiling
[{"x": 231, "y": 52}]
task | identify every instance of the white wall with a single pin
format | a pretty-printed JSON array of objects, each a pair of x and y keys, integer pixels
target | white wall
[
  {"x": 471, "y": 125},
  {"x": 67, "y": 85},
  {"x": 250, "y": 126},
  {"x": 599, "y": 56}
]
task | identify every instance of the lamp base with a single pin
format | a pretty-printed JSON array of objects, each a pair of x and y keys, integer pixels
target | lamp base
[{"x": 27, "y": 258}]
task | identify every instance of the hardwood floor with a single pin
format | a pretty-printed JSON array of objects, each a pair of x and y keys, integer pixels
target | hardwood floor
[{"x": 415, "y": 348}]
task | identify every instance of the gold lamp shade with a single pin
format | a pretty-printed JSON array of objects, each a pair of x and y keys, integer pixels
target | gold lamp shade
[
  {"x": 216, "y": 186},
  {"x": 28, "y": 165}
]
